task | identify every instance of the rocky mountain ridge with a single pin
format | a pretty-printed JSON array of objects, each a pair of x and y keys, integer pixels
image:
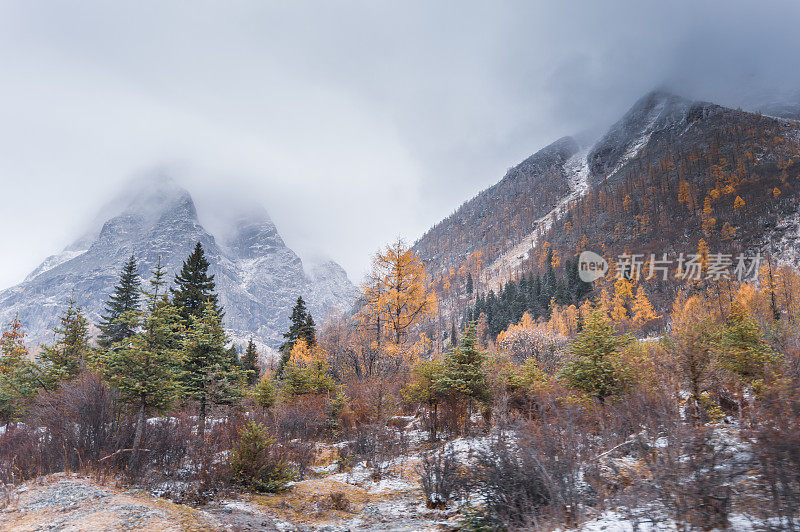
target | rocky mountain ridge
[
  {"x": 258, "y": 276},
  {"x": 658, "y": 140}
]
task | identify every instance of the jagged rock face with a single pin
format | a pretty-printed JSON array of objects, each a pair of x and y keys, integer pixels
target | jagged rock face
[{"x": 258, "y": 277}]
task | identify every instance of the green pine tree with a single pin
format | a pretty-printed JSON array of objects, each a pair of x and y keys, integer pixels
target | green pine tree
[
  {"x": 250, "y": 363},
  {"x": 741, "y": 347},
  {"x": 253, "y": 463},
  {"x": 145, "y": 368},
  {"x": 159, "y": 297},
  {"x": 425, "y": 387},
  {"x": 233, "y": 356},
  {"x": 208, "y": 374},
  {"x": 464, "y": 373},
  {"x": 265, "y": 392},
  {"x": 314, "y": 379},
  {"x": 301, "y": 326},
  {"x": 469, "y": 284},
  {"x": 596, "y": 368},
  {"x": 68, "y": 355},
  {"x": 115, "y": 325},
  {"x": 157, "y": 282},
  {"x": 194, "y": 287},
  {"x": 18, "y": 376}
]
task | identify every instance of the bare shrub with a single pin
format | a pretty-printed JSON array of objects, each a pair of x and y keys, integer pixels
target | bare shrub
[
  {"x": 296, "y": 426},
  {"x": 641, "y": 411},
  {"x": 372, "y": 399},
  {"x": 300, "y": 454},
  {"x": 22, "y": 456},
  {"x": 776, "y": 438},
  {"x": 80, "y": 427},
  {"x": 167, "y": 442},
  {"x": 516, "y": 488},
  {"x": 541, "y": 471},
  {"x": 377, "y": 445},
  {"x": 304, "y": 418},
  {"x": 693, "y": 472},
  {"x": 339, "y": 501},
  {"x": 440, "y": 478}
]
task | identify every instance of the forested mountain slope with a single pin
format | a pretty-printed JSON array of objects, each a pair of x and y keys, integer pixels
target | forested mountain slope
[{"x": 669, "y": 173}]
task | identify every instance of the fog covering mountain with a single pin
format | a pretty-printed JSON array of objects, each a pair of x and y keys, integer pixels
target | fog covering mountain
[
  {"x": 497, "y": 232},
  {"x": 257, "y": 276}
]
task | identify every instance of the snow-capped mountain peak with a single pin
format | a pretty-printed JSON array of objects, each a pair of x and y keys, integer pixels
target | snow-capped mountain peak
[{"x": 258, "y": 277}]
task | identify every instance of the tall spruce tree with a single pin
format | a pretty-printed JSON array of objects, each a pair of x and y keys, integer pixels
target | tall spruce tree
[
  {"x": 143, "y": 367},
  {"x": 117, "y": 323},
  {"x": 208, "y": 375},
  {"x": 67, "y": 356},
  {"x": 597, "y": 368},
  {"x": 233, "y": 356},
  {"x": 157, "y": 282},
  {"x": 250, "y": 363},
  {"x": 301, "y": 327},
  {"x": 18, "y": 375},
  {"x": 464, "y": 373},
  {"x": 194, "y": 287},
  {"x": 159, "y": 297}
]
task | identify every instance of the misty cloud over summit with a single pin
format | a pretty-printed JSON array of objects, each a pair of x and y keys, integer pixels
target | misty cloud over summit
[{"x": 350, "y": 122}]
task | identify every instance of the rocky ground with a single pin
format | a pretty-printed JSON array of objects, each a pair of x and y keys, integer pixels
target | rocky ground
[
  {"x": 328, "y": 500},
  {"x": 339, "y": 501}
]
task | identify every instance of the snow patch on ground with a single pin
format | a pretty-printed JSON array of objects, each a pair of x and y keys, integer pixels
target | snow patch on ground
[{"x": 616, "y": 521}]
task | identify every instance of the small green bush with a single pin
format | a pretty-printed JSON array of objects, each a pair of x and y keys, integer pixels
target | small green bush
[
  {"x": 264, "y": 393},
  {"x": 254, "y": 463}
]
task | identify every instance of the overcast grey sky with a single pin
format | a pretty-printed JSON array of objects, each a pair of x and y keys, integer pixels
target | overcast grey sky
[{"x": 352, "y": 122}]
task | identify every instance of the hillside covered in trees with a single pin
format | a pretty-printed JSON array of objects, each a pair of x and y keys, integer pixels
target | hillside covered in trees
[{"x": 669, "y": 174}]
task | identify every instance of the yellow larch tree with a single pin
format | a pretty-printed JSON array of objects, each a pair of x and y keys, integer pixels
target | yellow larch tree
[
  {"x": 708, "y": 216},
  {"x": 755, "y": 302},
  {"x": 780, "y": 285},
  {"x": 623, "y": 294},
  {"x": 604, "y": 303},
  {"x": 642, "y": 311},
  {"x": 728, "y": 231},
  {"x": 397, "y": 294},
  {"x": 685, "y": 195},
  {"x": 702, "y": 254},
  {"x": 563, "y": 320}
]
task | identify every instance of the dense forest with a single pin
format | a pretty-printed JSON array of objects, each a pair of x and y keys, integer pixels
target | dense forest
[{"x": 532, "y": 293}]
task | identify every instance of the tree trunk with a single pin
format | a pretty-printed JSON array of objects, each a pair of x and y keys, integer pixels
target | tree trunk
[
  {"x": 434, "y": 410},
  {"x": 201, "y": 430},
  {"x": 137, "y": 438}
]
